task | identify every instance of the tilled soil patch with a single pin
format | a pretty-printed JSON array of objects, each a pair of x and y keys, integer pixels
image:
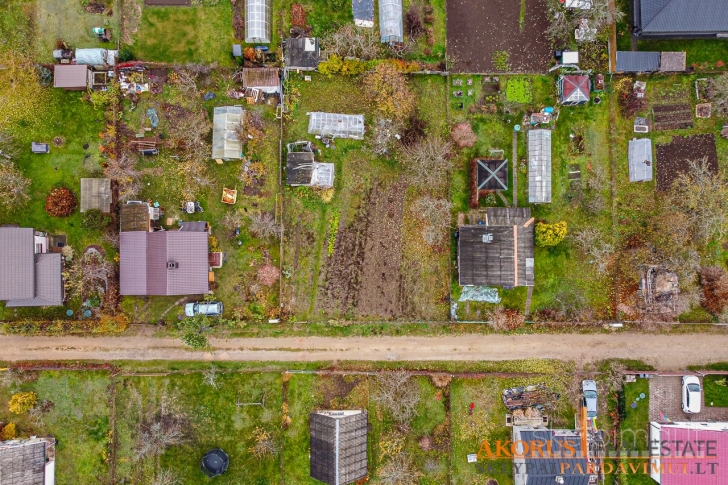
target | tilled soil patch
[{"x": 674, "y": 158}]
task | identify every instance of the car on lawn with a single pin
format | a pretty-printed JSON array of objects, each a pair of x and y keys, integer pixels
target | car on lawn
[
  {"x": 691, "y": 394},
  {"x": 208, "y": 308},
  {"x": 589, "y": 397}
]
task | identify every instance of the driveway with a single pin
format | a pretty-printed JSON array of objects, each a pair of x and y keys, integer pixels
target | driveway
[{"x": 666, "y": 397}]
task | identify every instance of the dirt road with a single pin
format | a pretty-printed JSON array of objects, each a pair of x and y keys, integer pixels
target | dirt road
[{"x": 665, "y": 352}]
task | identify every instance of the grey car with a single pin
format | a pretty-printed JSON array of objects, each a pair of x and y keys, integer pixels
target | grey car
[
  {"x": 209, "y": 308},
  {"x": 589, "y": 397}
]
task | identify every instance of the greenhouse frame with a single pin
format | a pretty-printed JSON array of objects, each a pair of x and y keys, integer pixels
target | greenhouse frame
[
  {"x": 225, "y": 144},
  {"x": 539, "y": 166},
  {"x": 390, "y": 21},
  {"x": 336, "y": 125},
  {"x": 257, "y": 21}
]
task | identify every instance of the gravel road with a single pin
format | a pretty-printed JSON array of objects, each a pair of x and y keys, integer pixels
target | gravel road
[{"x": 665, "y": 352}]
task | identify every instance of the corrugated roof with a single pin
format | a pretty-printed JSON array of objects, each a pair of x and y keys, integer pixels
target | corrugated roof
[
  {"x": 688, "y": 445},
  {"x": 302, "y": 53},
  {"x": 144, "y": 258},
  {"x": 338, "y": 446},
  {"x": 17, "y": 263},
  {"x": 390, "y": 21},
  {"x": 23, "y": 463},
  {"x": 676, "y": 17},
  {"x": 539, "y": 166},
  {"x": 70, "y": 76},
  {"x": 134, "y": 217},
  {"x": 197, "y": 226},
  {"x": 48, "y": 282},
  {"x": 299, "y": 168},
  {"x": 96, "y": 194},
  {"x": 563, "y": 459},
  {"x": 640, "y": 160},
  {"x": 259, "y": 77},
  {"x": 628, "y": 61}
]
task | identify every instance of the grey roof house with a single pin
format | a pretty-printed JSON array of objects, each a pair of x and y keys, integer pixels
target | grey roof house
[
  {"x": 499, "y": 252},
  {"x": 302, "y": 53},
  {"x": 670, "y": 19},
  {"x": 28, "y": 462},
  {"x": 539, "y": 166},
  {"x": 338, "y": 446},
  {"x": 165, "y": 262},
  {"x": 640, "y": 160},
  {"x": 29, "y": 275}
]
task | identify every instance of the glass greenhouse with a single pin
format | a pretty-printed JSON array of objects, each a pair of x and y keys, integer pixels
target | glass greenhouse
[
  {"x": 336, "y": 125},
  {"x": 257, "y": 21},
  {"x": 390, "y": 21}
]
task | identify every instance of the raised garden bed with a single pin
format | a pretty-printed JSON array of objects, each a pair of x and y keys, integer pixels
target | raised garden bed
[{"x": 672, "y": 117}]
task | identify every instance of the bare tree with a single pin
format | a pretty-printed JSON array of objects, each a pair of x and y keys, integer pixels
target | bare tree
[
  {"x": 186, "y": 81},
  {"x": 263, "y": 444},
  {"x": 209, "y": 377},
  {"x": 592, "y": 243},
  {"x": 8, "y": 148},
  {"x": 231, "y": 221},
  {"x": 398, "y": 394},
  {"x": 88, "y": 274},
  {"x": 703, "y": 197},
  {"x": 165, "y": 476},
  {"x": 561, "y": 24},
  {"x": 436, "y": 215},
  {"x": 158, "y": 431},
  {"x": 399, "y": 470},
  {"x": 13, "y": 185},
  {"x": 718, "y": 93},
  {"x": 601, "y": 15},
  {"x": 351, "y": 41},
  {"x": 264, "y": 226},
  {"x": 427, "y": 162}
]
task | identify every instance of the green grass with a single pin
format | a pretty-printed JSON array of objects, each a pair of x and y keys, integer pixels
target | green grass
[
  {"x": 214, "y": 421},
  {"x": 200, "y": 35},
  {"x": 68, "y": 21},
  {"x": 716, "y": 392},
  {"x": 79, "y": 421}
]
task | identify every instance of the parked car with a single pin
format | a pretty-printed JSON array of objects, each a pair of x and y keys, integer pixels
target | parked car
[
  {"x": 691, "y": 394},
  {"x": 589, "y": 397},
  {"x": 209, "y": 308}
]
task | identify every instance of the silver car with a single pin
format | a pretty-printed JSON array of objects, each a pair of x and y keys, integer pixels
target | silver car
[
  {"x": 691, "y": 394},
  {"x": 209, "y": 308},
  {"x": 589, "y": 397}
]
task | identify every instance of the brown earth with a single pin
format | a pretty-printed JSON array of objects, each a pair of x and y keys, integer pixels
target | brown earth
[
  {"x": 475, "y": 30},
  {"x": 664, "y": 352},
  {"x": 362, "y": 276},
  {"x": 674, "y": 158}
]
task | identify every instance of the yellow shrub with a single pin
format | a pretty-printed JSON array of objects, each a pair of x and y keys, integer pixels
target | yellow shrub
[
  {"x": 22, "y": 402},
  {"x": 548, "y": 235},
  {"x": 8, "y": 432}
]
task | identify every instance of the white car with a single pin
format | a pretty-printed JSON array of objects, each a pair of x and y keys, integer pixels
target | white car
[
  {"x": 209, "y": 308},
  {"x": 691, "y": 394}
]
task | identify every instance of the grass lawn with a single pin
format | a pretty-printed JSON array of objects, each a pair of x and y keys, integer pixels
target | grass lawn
[
  {"x": 79, "y": 420},
  {"x": 212, "y": 420},
  {"x": 200, "y": 35},
  {"x": 716, "y": 392},
  {"x": 68, "y": 21},
  {"x": 634, "y": 429}
]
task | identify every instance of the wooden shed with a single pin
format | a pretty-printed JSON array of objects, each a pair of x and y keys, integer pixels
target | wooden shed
[{"x": 96, "y": 194}]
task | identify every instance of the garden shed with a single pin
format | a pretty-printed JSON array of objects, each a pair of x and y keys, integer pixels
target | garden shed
[
  {"x": 390, "y": 21},
  {"x": 628, "y": 61},
  {"x": 226, "y": 121},
  {"x": 267, "y": 79},
  {"x": 28, "y": 461},
  {"x": 574, "y": 90},
  {"x": 673, "y": 61},
  {"x": 302, "y": 53},
  {"x": 539, "y": 166},
  {"x": 257, "y": 21},
  {"x": 96, "y": 194},
  {"x": 72, "y": 77},
  {"x": 640, "y": 160},
  {"x": 499, "y": 252},
  {"x": 336, "y": 125},
  {"x": 363, "y": 13},
  {"x": 339, "y": 446}
]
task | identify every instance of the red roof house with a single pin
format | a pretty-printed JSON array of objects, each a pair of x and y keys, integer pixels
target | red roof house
[
  {"x": 694, "y": 453},
  {"x": 574, "y": 90}
]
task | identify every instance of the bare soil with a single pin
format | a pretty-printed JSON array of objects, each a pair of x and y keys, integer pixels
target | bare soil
[
  {"x": 664, "y": 352},
  {"x": 476, "y": 29},
  {"x": 674, "y": 158},
  {"x": 362, "y": 276},
  {"x": 673, "y": 117}
]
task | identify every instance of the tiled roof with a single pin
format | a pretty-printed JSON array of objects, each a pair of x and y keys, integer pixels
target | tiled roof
[
  {"x": 144, "y": 258},
  {"x": 17, "y": 274}
]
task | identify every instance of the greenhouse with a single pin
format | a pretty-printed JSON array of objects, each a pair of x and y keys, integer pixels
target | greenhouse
[
  {"x": 539, "y": 166},
  {"x": 390, "y": 21},
  {"x": 257, "y": 21},
  {"x": 336, "y": 125}
]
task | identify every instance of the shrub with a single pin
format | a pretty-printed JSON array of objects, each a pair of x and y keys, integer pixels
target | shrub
[
  {"x": 8, "y": 432},
  {"x": 195, "y": 340},
  {"x": 714, "y": 281},
  {"x": 387, "y": 88},
  {"x": 126, "y": 54},
  {"x": 61, "y": 202},
  {"x": 94, "y": 220},
  {"x": 268, "y": 274},
  {"x": 518, "y": 90},
  {"x": 413, "y": 21},
  {"x": 548, "y": 235},
  {"x": 214, "y": 244},
  {"x": 22, "y": 402},
  {"x": 463, "y": 135},
  {"x": 336, "y": 65}
]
